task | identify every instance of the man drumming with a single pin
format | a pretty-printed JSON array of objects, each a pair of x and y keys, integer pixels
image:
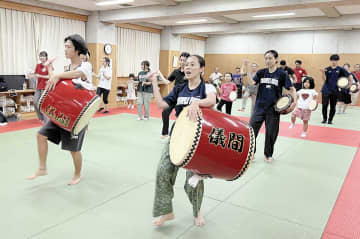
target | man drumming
[{"x": 74, "y": 46}]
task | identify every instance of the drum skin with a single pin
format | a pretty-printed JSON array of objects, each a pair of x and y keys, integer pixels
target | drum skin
[
  {"x": 354, "y": 88},
  {"x": 286, "y": 108},
  {"x": 223, "y": 146},
  {"x": 65, "y": 104}
]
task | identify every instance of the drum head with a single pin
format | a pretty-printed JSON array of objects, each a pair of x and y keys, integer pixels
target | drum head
[
  {"x": 85, "y": 116},
  {"x": 313, "y": 105},
  {"x": 343, "y": 82},
  {"x": 283, "y": 103},
  {"x": 233, "y": 95},
  {"x": 184, "y": 138},
  {"x": 353, "y": 88}
]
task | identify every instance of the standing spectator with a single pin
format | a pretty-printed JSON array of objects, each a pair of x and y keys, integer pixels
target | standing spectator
[
  {"x": 145, "y": 90},
  {"x": 104, "y": 86},
  {"x": 300, "y": 73}
]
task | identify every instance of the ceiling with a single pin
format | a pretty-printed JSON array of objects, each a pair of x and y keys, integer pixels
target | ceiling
[{"x": 227, "y": 16}]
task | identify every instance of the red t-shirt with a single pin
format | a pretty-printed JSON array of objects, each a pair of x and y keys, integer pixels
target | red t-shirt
[
  {"x": 41, "y": 70},
  {"x": 357, "y": 74},
  {"x": 226, "y": 89},
  {"x": 299, "y": 74}
]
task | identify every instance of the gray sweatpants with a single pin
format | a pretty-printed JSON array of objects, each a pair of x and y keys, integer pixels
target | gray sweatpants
[{"x": 144, "y": 98}]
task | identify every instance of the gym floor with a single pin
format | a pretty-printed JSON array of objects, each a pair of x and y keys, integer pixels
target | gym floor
[{"x": 309, "y": 191}]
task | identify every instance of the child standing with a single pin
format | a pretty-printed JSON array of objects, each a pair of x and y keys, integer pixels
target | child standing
[
  {"x": 305, "y": 96},
  {"x": 131, "y": 97},
  {"x": 225, "y": 91}
]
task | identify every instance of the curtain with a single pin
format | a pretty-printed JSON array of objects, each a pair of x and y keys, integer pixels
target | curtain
[
  {"x": 192, "y": 46},
  {"x": 23, "y": 35},
  {"x": 133, "y": 48}
]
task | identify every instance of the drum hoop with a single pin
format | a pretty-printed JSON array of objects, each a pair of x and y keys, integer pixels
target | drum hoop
[
  {"x": 195, "y": 144},
  {"x": 249, "y": 156},
  {"x": 287, "y": 105},
  {"x": 42, "y": 98},
  {"x": 82, "y": 113}
]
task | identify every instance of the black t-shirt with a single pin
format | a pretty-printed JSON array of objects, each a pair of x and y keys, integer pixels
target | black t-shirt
[
  {"x": 289, "y": 71},
  {"x": 178, "y": 76},
  {"x": 270, "y": 87}
]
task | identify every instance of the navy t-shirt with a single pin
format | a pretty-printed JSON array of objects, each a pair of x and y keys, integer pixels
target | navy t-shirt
[
  {"x": 182, "y": 96},
  {"x": 332, "y": 75},
  {"x": 237, "y": 79},
  {"x": 270, "y": 87}
]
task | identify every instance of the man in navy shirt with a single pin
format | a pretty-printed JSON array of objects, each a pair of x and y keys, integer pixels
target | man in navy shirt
[
  {"x": 329, "y": 91},
  {"x": 271, "y": 80}
]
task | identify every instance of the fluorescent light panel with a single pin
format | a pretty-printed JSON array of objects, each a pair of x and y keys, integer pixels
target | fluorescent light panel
[
  {"x": 113, "y": 2},
  {"x": 192, "y": 21},
  {"x": 276, "y": 15}
]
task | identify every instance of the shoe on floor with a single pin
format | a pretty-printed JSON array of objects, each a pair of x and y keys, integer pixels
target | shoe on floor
[
  {"x": 330, "y": 122},
  {"x": 3, "y": 124},
  {"x": 101, "y": 109},
  {"x": 303, "y": 134},
  {"x": 106, "y": 112},
  {"x": 268, "y": 160},
  {"x": 291, "y": 126},
  {"x": 323, "y": 122}
]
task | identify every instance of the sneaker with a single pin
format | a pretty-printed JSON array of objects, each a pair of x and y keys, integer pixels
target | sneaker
[
  {"x": 146, "y": 118},
  {"x": 330, "y": 122},
  {"x": 139, "y": 118},
  {"x": 132, "y": 107},
  {"x": 323, "y": 122},
  {"x": 164, "y": 136},
  {"x": 291, "y": 126},
  {"x": 303, "y": 134},
  {"x": 106, "y": 111},
  {"x": 101, "y": 109},
  {"x": 3, "y": 124}
]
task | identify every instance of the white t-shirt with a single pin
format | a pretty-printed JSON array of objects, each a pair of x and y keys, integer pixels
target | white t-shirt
[
  {"x": 86, "y": 68},
  {"x": 305, "y": 96},
  {"x": 215, "y": 76},
  {"x": 104, "y": 83}
]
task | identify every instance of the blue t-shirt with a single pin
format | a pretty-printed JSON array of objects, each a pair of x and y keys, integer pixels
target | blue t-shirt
[
  {"x": 182, "y": 96},
  {"x": 270, "y": 87},
  {"x": 237, "y": 79},
  {"x": 332, "y": 75}
]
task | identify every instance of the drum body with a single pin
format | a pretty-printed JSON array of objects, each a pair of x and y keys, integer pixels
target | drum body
[
  {"x": 343, "y": 82},
  {"x": 283, "y": 104},
  {"x": 217, "y": 145},
  {"x": 313, "y": 105},
  {"x": 233, "y": 95},
  {"x": 354, "y": 88},
  {"x": 69, "y": 107}
]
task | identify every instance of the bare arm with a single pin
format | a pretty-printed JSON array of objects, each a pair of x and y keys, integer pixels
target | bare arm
[{"x": 156, "y": 90}]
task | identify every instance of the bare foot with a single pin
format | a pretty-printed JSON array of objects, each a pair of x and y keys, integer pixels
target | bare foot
[
  {"x": 40, "y": 172},
  {"x": 268, "y": 159},
  {"x": 74, "y": 180},
  {"x": 199, "y": 220},
  {"x": 159, "y": 221}
]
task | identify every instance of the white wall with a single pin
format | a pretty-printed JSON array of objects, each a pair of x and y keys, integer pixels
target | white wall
[{"x": 303, "y": 42}]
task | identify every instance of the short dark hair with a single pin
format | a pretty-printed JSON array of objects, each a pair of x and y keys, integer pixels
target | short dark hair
[
  {"x": 78, "y": 42},
  {"x": 347, "y": 64},
  {"x": 273, "y": 52},
  {"x": 131, "y": 75},
  {"x": 298, "y": 61},
  {"x": 201, "y": 60},
  {"x": 185, "y": 54},
  {"x": 334, "y": 57},
  {"x": 311, "y": 81},
  {"x": 283, "y": 62},
  {"x": 43, "y": 53},
  {"x": 146, "y": 63}
]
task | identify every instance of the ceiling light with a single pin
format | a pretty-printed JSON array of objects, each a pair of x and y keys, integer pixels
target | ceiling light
[
  {"x": 192, "y": 21},
  {"x": 113, "y": 2},
  {"x": 276, "y": 15}
]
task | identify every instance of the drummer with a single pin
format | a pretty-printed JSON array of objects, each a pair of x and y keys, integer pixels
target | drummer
[
  {"x": 74, "y": 46},
  {"x": 330, "y": 76},
  {"x": 344, "y": 97},
  {"x": 271, "y": 80},
  {"x": 195, "y": 94}
]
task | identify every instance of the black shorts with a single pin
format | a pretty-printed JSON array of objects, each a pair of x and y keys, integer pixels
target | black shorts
[
  {"x": 101, "y": 91},
  {"x": 55, "y": 134},
  {"x": 344, "y": 97}
]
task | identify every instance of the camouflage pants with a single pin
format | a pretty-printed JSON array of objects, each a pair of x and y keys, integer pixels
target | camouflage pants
[{"x": 164, "y": 188}]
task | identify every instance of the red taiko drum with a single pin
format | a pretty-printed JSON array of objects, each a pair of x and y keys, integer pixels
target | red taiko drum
[
  {"x": 69, "y": 107},
  {"x": 217, "y": 145}
]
